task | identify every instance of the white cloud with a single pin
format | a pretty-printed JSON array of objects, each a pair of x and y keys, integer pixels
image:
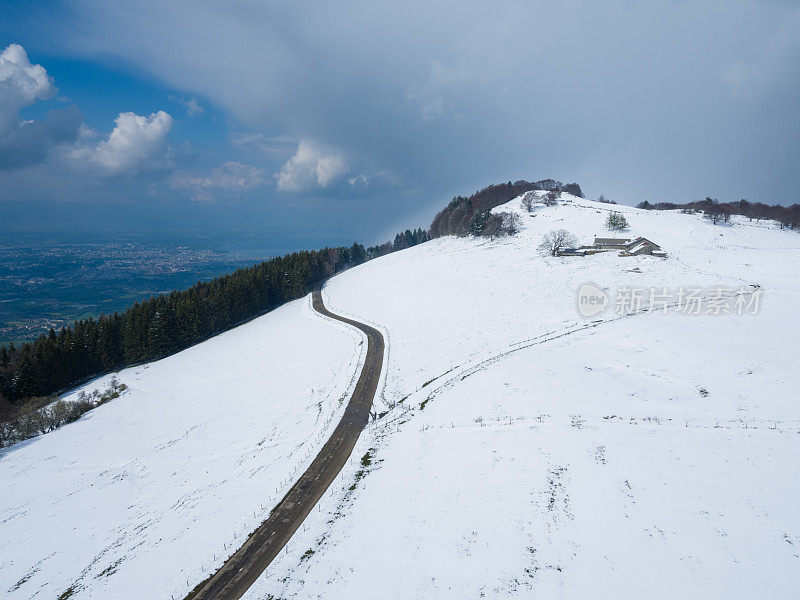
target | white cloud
[
  {"x": 136, "y": 142},
  {"x": 192, "y": 107},
  {"x": 311, "y": 167},
  {"x": 21, "y": 84},
  {"x": 231, "y": 177},
  {"x": 363, "y": 180},
  {"x": 29, "y": 142}
]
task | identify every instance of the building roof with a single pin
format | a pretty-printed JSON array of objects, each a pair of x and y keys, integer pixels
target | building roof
[
  {"x": 604, "y": 241},
  {"x": 639, "y": 242}
]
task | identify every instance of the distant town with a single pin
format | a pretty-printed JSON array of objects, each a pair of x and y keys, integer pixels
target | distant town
[{"x": 44, "y": 285}]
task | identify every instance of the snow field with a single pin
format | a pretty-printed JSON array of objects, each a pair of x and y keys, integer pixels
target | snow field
[
  {"x": 145, "y": 496},
  {"x": 531, "y": 452}
]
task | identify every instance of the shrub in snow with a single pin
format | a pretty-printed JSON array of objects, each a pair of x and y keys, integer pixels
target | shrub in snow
[
  {"x": 558, "y": 238},
  {"x": 551, "y": 198},
  {"x": 45, "y": 414},
  {"x": 527, "y": 201},
  {"x": 716, "y": 213}
]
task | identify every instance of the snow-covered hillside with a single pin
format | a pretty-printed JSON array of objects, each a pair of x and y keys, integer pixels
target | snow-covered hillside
[
  {"x": 530, "y": 451},
  {"x": 145, "y": 495},
  {"x": 525, "y": 450}
]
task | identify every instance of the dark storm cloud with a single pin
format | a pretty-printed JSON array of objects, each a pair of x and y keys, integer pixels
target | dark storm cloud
[
  {"x": 358, "y": 118},
  {"x": 668, "y": 100},
  {"x": 29, "y": 143}
]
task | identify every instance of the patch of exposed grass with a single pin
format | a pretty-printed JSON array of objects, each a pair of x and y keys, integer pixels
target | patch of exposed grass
[
  {"x": 307, "y": 554},
  {"x": 22, "y": 581},
  {"x": 68, "y": 593},
  {"x": 110, "y": 570},
  {"x": 366, "y": 462}
]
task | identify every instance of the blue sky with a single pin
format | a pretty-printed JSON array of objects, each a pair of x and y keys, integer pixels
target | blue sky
[{"x": 351, "y": 121}]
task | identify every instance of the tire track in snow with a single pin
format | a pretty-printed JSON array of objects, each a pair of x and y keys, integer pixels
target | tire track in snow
[{"x": 462, "y": 373}]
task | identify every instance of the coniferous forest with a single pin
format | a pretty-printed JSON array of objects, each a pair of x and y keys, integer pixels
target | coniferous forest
[{"x": 171, "y": 322}]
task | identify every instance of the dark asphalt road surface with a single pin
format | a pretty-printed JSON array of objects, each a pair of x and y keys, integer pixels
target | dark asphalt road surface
[{"x": 241, "y": 570}]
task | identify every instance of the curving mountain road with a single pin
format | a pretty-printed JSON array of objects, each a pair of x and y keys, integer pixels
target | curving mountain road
[{"x": 241, "y": 570}]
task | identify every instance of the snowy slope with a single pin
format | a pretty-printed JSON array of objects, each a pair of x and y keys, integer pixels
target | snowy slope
[
  {"x": 530, "y": 451},
  {"x": 145, "y": 495}
]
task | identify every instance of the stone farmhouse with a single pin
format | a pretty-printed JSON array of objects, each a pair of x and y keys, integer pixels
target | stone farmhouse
[{"x": 625, "y": 246}]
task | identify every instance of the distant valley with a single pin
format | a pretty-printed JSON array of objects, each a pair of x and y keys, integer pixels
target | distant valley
[{"x": 46, "y": 284}]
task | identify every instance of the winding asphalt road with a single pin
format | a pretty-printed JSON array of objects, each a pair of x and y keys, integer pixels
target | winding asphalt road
[{"x": 241, "y": 570}]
